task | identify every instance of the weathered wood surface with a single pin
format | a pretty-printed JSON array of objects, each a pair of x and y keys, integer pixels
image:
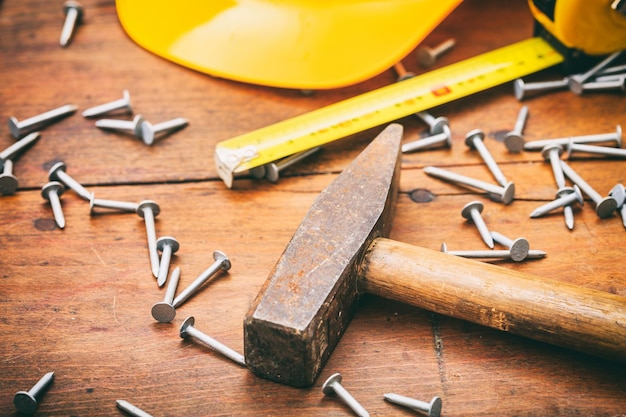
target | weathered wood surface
[{"x": 77, "y": 301}]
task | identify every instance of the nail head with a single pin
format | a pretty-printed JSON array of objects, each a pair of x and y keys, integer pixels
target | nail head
[
  {"x": 466, "y": 212},
  {"x": 168, "y": 240},
  {"x": 148, "y": 204},
  {"x": 189, "y": 321},
  {"x": 328, "y": 387}
]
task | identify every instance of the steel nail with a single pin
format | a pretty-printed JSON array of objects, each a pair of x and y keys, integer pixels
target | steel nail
[
  {"x": 605, "y": 206},
  {"x": 132, "y": 127},
  {"x": 432, "y": 409},
  {"x": 521, "y": 88},
  {"x": 11, "y": 151},
  {"x": 402, "y": 73},
  {"x": 504, "y": 194},
  {"x": 74, "y": 13},
  {"x": 149, "y": 209},
  {"x": 616, "y": 138},
  {"x": 573, "y": 147},
  {"x": 131, "y": 409},
  {"x": 221, "y": 262},
  {"x": 110, "y": 204},
  {"x": 187, "y": 329},
  {"x": 57, "y": 173},
  {"x": 474, "y": 140},
  {"x": 553, "y": 154},
  {"x": 575, "y": 82},
  {"x": 20, "y": 128},
  {"x": 519, "y": 247},
  {"x": 490, "y": 254},
  {"x": 110, "y": 107},
  {"x": 149, "y": 131},
  {"x": 436, "y": 124},
  {"x": 273, "y": 169},
  {"x": 168, "y": 246},
  {"x": 164, "y": 311},
  {"x": 8, "y": 181},
  {"x": 617, "y": 83},
  {"x": 565, "y": 197},
  {"x": 430, "y": 142},
  {"x": 26, "y": 401},
  {"x": 472, "y": 211},
  {"x": 514, "y": 140},
  {"x": 428, "y": 56},
  {"x": 333, "y": 386},
  {"x": 52, "y": 192}
]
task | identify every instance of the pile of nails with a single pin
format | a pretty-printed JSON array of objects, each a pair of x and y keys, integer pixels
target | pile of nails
[{"x": 604, "y": 144}]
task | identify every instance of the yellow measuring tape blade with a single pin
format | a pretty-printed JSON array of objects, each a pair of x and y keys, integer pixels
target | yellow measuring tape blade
[{"x": 381, "y": 106}]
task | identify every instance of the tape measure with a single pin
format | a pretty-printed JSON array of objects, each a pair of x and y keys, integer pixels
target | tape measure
[{"x": 381, "y": 106}]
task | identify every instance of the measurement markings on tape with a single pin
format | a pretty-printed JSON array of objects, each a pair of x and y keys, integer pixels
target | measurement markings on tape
[{"x": 382, "y": 105}]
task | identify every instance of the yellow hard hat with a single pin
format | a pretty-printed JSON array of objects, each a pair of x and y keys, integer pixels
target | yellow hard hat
[{"x": 303, "y": 44}]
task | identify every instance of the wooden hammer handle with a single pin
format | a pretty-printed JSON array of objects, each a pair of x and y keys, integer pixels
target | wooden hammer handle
[{"x": 562, "y": 314}]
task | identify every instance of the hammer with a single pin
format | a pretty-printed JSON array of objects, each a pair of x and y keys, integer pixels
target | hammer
[{"x": 340, "y": 251}]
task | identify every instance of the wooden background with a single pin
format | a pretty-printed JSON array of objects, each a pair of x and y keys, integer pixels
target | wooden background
[{"x": 77, "y": 301}]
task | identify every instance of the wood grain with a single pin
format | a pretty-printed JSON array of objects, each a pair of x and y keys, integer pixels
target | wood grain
[{"x": 77, "y": 301}]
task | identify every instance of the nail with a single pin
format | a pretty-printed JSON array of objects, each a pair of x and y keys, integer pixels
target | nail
[
  {"x": 8, "y": 181},
  {"x": 402, "y": 73},
  {"x": 18, "y": 129},
  {"x": 519, "y": 247},
  {"x": 26, "y": 402},
  {"x": 111, "y": 205},
  {"x": 575, "y": 82},
  {"x": 491, "y": 254},
  {"x": 428, "y": 56},
  {"x": 605, "y": 206},
  {"x": 149, "y": 209},
  {"x": 74, "y": 13},
  {"x": 57, "y": 173},
  {"x": 333, "y": 386},
  {"x": 273, "y": 169},
  {"x": 474, "y": 140},
  {"x": 553, "y": 154},
  {"x": 187, "y": 329},
  {"x": 611, "y": 70},
  {"x": 110, "y": 107},
  {"x": 616, "y": 137},
  {"x": 502, "y": 194},
  {"x": 514, "y": 140},
  {"x": 618, "y": 83},
  {"x": 573, "y": 147},
  {"x": 472, "y": 211},
  {"x": 521, "y": 88},
  {"x": 432, "y": 409},
  {"x": 164, "y": 311},
  {"x": 167, "y": 245},
  {"x": 565, "y": 197},
  {"x": 149, "y": 131},
  {"x": 619, "y": 194},
  {"x": 11, "y": 151},
  {"x": 436, "y": 124},
  {"x": 128, "y": 126},
  {"x": 51, "y": 192},
  {"x": 131, "y": 409},
  {"x": 430, "y": 142},
  {"x": 221, "y": 262}
]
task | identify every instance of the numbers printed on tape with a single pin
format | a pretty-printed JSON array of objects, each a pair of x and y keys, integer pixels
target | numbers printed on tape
[{"x": 381, "y": 106}]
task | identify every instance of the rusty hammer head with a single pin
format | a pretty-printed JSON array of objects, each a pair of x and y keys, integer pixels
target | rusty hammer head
[{"x": 310, "y": 296}]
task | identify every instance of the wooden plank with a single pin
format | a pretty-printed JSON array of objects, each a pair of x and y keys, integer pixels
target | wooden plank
[{"x": 77, "y": 301}]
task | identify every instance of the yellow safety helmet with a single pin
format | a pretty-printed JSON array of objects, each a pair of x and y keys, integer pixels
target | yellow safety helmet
[{"x": 302, "y": 44}]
